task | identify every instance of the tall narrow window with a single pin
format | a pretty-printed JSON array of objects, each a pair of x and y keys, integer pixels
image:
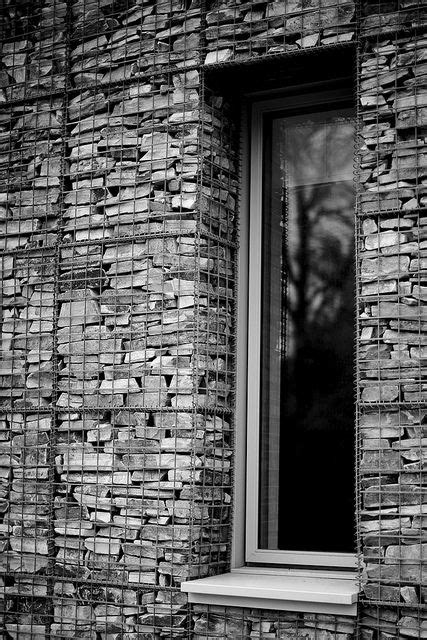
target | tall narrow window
[{"x": 302, "y": 308}]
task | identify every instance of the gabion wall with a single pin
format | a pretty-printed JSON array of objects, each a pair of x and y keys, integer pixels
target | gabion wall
[
  {"x": 118, "y": 299},
  {"x": 242, "y": 624},
  {"x": 118, "y": 197},
  {"x": 391, "y": 363}
]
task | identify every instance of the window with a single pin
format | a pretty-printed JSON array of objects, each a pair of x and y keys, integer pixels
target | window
[
  {"x": 300, "y": 412},
  {"x": 294, "y": 397}
]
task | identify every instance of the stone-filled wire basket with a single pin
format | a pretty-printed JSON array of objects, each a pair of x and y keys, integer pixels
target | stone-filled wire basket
[
  {"x": 117, "y": 256},
  {"x": 118, "y": 240},
  {"x": 392, "y": 206}
]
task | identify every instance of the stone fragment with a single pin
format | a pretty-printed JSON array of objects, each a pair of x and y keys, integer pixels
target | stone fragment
[
  {"x": 412, "y": 627},
  {"x": 388, "y": 267},
  {"x": 384, "y": 239},
  {"x": 409, "y": 595},
  {"x": 78, "y": 313},
  {"x": 380, "y": 393},
  {"x": 220, "y": 55}
]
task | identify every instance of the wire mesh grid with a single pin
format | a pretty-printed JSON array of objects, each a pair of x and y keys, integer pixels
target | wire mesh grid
[
  {"x": 240, "y": 31},
  {"x": 118, "y": 286},
  {"x": 118, "y": 202},
  {"x": 391, "y": 367},
  {"x": 33, "y": 53},
  {"x": 232, "y": 623}
]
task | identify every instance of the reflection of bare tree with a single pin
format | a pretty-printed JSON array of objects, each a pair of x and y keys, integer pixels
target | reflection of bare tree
[
  {"x": 317, "y": 252},
  {"x": 317, "y": 315},
  {"x": 320, "y": 229}
]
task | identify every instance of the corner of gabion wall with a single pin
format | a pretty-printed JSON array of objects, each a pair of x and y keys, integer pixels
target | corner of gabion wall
[{"x": 117, "y": 255}]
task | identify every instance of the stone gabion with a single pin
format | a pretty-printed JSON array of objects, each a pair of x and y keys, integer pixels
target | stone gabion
[
  {"x": 392, "y": 199},
  {"x": 239, "y": 31},
  {"x": 31, "y": 139},
  {"x": 118, "y": 295},
  {"x": 232, "y": 623},
  {"x": 119, "y": 191}
]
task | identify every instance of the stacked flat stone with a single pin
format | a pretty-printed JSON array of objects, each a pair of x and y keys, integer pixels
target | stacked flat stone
[
  {"x": 18, "y": 19},
  {"x": 392, "y": 201},
  {"x": 31, "y": 159},
  {"x": 117, "y": 322},
  {"x": 112, "y": 45},
  {"x": 232, "y": 623},
  {"x": 240, "y": 31},
  {"x": 33, "y": 62},
  {"x": 141, "y": 352}
]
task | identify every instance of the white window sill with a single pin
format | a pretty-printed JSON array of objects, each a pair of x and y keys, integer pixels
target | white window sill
[{"x": 332, "y": 593}]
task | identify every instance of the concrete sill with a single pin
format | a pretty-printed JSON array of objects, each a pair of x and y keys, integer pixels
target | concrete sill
[{"x": 289, "y": 591}]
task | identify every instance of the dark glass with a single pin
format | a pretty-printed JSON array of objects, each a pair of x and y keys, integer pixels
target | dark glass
[{"x": 307, "y": 406}]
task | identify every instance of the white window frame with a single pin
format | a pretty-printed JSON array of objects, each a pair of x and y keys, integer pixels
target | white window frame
[{"x": 245, "y": 548}]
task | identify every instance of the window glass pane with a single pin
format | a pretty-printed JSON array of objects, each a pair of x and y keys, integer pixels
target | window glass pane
[{"x": 307, "y": 411}]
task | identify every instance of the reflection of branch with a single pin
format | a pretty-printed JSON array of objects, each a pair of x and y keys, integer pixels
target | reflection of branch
[
  {"x": 306, "y": 147},
  {"x": 289, "y": 270},
  {"x": 330, "y": 290},
  {"x": 340, "y": 216},
  {"x": 318, "y": 194},
  {"x": 301, "y": 281},
  {"x": 310, "y": 201},
  {"x": 319, "y": 249}
]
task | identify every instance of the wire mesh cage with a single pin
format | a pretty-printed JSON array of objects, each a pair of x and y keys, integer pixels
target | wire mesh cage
[
  {"x": 118, "y": 238},
  {"x": 392, "y": 207},
  {"x": 241, "y": 624},
  {"x": 240, "y": 31},
  {"x": 118, "y": 287}
]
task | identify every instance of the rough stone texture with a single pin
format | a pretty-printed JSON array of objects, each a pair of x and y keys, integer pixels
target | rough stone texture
[
  {"x": 241, "y": 624},
  {"x": 32, "y": 63},
  {"x": 240, "y": 31},
  {"x": 392, "y": 200},
  {"x": 33, "y": 55},
  {"x": 118, "y": 190},
  {"x": 116, "y": 327}
]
